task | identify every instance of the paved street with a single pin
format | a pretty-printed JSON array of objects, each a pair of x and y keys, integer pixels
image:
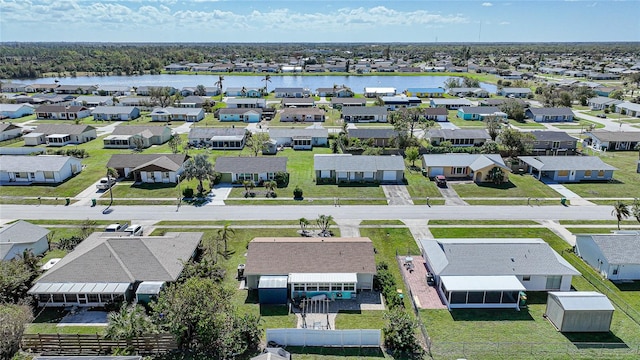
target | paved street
[{"x": 293, "y": 212}]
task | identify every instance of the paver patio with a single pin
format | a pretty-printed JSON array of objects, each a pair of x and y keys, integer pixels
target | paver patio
[{"x": 425, "y": 296}]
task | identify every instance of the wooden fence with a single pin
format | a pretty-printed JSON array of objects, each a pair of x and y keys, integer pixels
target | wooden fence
[{"x": 75, "y": 344}]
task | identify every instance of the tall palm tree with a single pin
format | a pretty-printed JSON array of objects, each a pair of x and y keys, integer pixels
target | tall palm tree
[
  {"x": 267, "y": 79},
  {"x": 620, "y": 211},
  {"x": 225, "y": 234},
  {"x": 635, "y": 209},
  {"x": 199, "y": 167},
  {"x": 219, "y": 84}
]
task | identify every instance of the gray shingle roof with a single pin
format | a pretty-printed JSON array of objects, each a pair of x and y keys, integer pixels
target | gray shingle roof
[
  {"x": 135, "y": 160},
  {"x": 297, "y": 132},
  {"x": 113, "y": 110},
  {"x": 486, "y": 257},
  {"x": 542, "y": 135},
  {"x": 27, "y": 163},
  {"x": 59, "y": 109},
  {"x": 459, "y": 133},
  {"x": 373, "y": 133},
  {"x": 273, "y": 256},
  {"x": 513, "y": 90},
  {"x": 553, "y": 163},
  {"x": 483, "y": 110},
  {"x": 554, "y": 111},
  {"x": 62, "y": 129},
  {"x": 209, "y": 132},
  {"x": 103, "y": 258},
  {"x": 474, "y": 161},
  {"x": 176, "y": 111},
  {"x": 364, "y": 110},
  {"x": 463, "y": 102},
  {"x": 20, "y": 232},
  {"x": 251, "y": 165},
  {"x": 347, "y": 162},
  {"x": 605, "y": 135},
  {"x": 134, "y": 129},
  {"x": 619, "y": 248}
]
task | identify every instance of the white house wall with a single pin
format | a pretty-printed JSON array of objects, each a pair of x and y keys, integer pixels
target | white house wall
[{"x": 37, "y": 248}]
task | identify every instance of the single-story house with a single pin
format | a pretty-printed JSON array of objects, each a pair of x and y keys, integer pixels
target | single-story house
[
  {"x": 59, "y": 112},
  {"x": 458, "y": 137},
  {"x": 400, "y": 101},
  {"x": 92, "y": 101},
  {"x": 480, "y": 113},
  {"x": 339, "y": 103},
  {"x": 298, "y": 102},
  {"x": 556, "y": 114},
  {"x": 613, "y": 140},
  {"x": 491, "y": 273},
  {"x": 346, "y": 168},
  {"x": 273, "y": 353},
  {"x": 372, "y": 92},
  {"x": 32, "y": 88},
  {"x": 553, "y": 143},
  {"x": 302, "y": 114},
  {"x": 149, "y": 168},
  {"x": 449, "y": 104},
  {"x": 60, "y": 135},
  {"x": 341, "y": 92},
  {"x": 500, "y": 102},
  {"x": 425, "y": 92},
  {"x": 466, "y": 91},
  {"x": 113, "y": 90},
  {"x": 124, "y": 137},
  {"x": 20, "y": 236},
  {"x": 9, "y": 131},
  {"x": 218, "y": 138},
  {"x": 191, "y": 101},
  {"x": 579, "y": 311},
  {"x": 75, "y": 89},
  {"x": 464, "y": 166},
  {"x": 146, "y": 90},
  {"x": 336, "y": 267},
  {"x": 604, "y": 91},
  {"x": 104, "y": 269},
  {"x": 178, "y": 114},
  {"x": 615, "y": 256},
  {"x": 365, "y": 114},
  {"x": 381, "y": 137},
  {"x": 247, "y": 115},
  {"x": 51, "y": 99},
  {"x": 27, "y": 170},
  {"x": 435, "y": 114},
  {"x": 12, "y": 87},
  {"x": 246, "y": 103},
  {"x": 14, "y": 111},
  {"x": 115, "y": 113},
  {"x": 515, "y": 92},
  {"x": 188, "y": 91},
  {"x": 257, "y": 169},
  {"x": 296, "y": 92},
  {"x": 300, "y": 139},
  {"x": 244, "y": 92},
  {"x": 568, "y": 168},
  {"x": 141, "y": 102},
  {"x": 601, "y": 103},
  {"x": 629, "y": 108}
]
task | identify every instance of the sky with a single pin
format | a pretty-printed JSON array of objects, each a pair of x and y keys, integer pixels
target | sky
[{"x": 318, "y": 21}]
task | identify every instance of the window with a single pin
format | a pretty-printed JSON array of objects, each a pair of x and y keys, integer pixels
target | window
[
  {"x": 349, "y": 287},
  {"x": 554, "y": 282},
  {"x": 587, "y": 173},
  {"x": 298, "y": 287},
  {"x": 71, "y": 297},
  {"x": 615, "y": 271},
  {"x": 526, "y": 278},
  {"x": 323, "y": 287},
  {"x": 563, "y": 172},
  {"x": 92, "y": 298},
  {"x": 58, "y": 298},
  {"x": 43, "y": 298},
  {"x": 459, "y": 170},
  {"x": 48, "y": 175},
  {"x": 600, "y": 173},
  {"x": 556, "y": 144},
  {"x": 165, "y": 175}
]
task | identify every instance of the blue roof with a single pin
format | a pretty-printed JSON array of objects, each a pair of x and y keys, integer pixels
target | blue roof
[{"x": 427, "y": 90}]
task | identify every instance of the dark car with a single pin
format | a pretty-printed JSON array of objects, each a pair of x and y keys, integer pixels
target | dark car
[
  {"x": 441, "y": 181},
  {"x": 602, "y": 116}
]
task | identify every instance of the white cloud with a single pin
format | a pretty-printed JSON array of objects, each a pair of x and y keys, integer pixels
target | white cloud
[{"x": 487, "y": 4}]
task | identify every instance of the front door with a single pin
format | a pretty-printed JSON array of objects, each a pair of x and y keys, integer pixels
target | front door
[{"x": 572, "y": 175}]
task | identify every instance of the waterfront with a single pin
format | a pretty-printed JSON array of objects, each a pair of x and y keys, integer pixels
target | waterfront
[{"x": 356, "y": 83}]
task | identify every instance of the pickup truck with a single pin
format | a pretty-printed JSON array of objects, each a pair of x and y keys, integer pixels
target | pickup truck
[{"x": 105, "y": 183}]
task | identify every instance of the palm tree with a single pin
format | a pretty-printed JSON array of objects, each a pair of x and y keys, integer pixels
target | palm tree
[
  {"x": 225, "y": 234},
  {"x": 620, "y": 211},
  {"x": 219, "y": 84},
  {"x": 243, "y": 91},
  {"x": 303, "y": 226},
  {"x": 324, "y": 222},
  {"x": 129, "y": 323},
  {"x": 496, "y": 175},
  {"x": 199, "y": 167},
  {"x": 248, "y": 185},
  {"x": 635, "y": 209},
  {"x": 267, "y": 79},
  {"x": 29, "y": 259}
]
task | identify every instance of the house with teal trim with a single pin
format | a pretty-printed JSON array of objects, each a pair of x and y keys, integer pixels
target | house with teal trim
[
  {"x": 480, "y": 112},
  {"x": 425, "y": 92},
  {"x": 247, "y": 115},
  {"x": 244, "y": 92}
]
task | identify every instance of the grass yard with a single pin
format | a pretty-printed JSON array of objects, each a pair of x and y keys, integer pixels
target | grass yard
[
  {"x": 326, "y": 353},
  {"x": 524, "y": 186},
  {"x": 526, "y": 124},
  {"x": 420, "y": 186},
  {"x": 464, "y": 123},
  {"x": 306, "y": 201},
  {"x": 46, "y": 323},
  {"x": 382, "y": 222},
  {"x": 596, "y": 230},
  {"x": 483, "y": 222},
  {"x": 577, "y": 124},
  {"x": 229, "y": 222},
  {"x": 626, "y": 180},
  {"x": 524, "y": 202},
  {"x": 367, "y": 319},
  {"x": 597, "y": 222}
]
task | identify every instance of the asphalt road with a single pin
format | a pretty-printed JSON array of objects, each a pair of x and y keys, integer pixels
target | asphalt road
[{"x": 292, "y": 212}]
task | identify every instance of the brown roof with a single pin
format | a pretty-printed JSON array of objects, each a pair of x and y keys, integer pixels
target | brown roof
[
  {"x": 434, "y": 111},
  {"x": 281, "y": 256}
]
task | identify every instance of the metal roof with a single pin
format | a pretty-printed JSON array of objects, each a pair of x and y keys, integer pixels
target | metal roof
[
  {"x": 75, "y": 288},
  {"x": 150, "y": 287},
  {"x": 273, "y": 282},
  {"x": 582, "y": 300},
  {"x": 332, "y": 278},
  {"x": 554, "y": 163},
  {"x": 475, "y": 161},
  {"x": 482, "y": 283},
  {"x": 364, "y": 110}
]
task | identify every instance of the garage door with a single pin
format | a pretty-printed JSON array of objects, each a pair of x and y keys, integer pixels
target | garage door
[
  {"x": 389, "y": 176},
  {"x": 434, "y": 171}
]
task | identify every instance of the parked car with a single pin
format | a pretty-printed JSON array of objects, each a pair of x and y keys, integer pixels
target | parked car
[
  {"x": 116, "y": 227},
  {"x": 134, "y": 230},
  {"x": 105, "y": 183},
  {"x": 441, "y": 181},
  {"x": 602, "y": 116}
]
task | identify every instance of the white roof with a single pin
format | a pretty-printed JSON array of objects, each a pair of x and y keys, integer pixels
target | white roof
[
  {"x": 273, "y": 282},
  {"x": 482, "y": 283},
  {"x": 582, "y": 300},
  {"x": 333, "y": 278},
  {"x": 379, "y": 90},
  {"x": 74, "y": 288}
]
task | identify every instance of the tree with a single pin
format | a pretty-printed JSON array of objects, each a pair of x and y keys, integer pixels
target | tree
[
  {"x": 405, "y": 122},
  {"x": 201, "y": 316},
  {"x": 224, "y": 235},
  {"x": 635, "y": 209},
  {"x": 616, "y": 94},
  {"x": 452, "y": 82},
  {"x": 303, "y": 226},
  {"x": 514, "y": 109},
  {"x": 267, "y": 80},
  {"x": 257, "y": 141},
  {"x": 565, "y": 99},
  {"x": 30, "y": 260},
  {"x": 270, "y": 186},
  {"x": 324, "y": 222},
  {"x": 161, "y": 95},
  {"x": 470, "y": 82},
  {"x": 399, "y": 334},
  {"x": 516, "y": 142},
  {"x": 412, "y": 155},
  {"x": 496, "y": 175},
  {"x": 248, "y": 186},
  {"x": 15, "y": 280},
  {"x": 138, "y": 143},
  {"x": 13, "y": 319},
  {"x": 620, "y": 211},
  {"x": 297, "y": 193},
  {"x": 219, "y": 84},
  {"x": 492, "y": 124},
  {"x": 199, "y": 167},
  {"x": 87, "y": 227},
  {"x": 175, "y": 142},
  {"x": 200, "y": 90},
  {"x": 490, "y": 147},
  {"x": 128, "y": 323}
]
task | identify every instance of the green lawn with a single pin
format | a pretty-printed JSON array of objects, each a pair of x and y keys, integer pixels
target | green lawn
[
  {"x": 382, "y": 222},
  {"x": 626, "y": 180},
  {"x": 597, "y": 222},
  {"x": 524, "y": 186},
  {"x": 47, "y": 320},
  {"x": 483, "y": 222},
  {"x": 367, "y": 319},
  {"x": 420, "y": 186},
  {"x": 526, "y": 124},
  {"x": 464, "y": 123},
  {"x": 595, "y": 230},
  {"x": 230, "y": 222},
  {"x": 505, "y": 202},
  {"x": 577, "y": 124}
]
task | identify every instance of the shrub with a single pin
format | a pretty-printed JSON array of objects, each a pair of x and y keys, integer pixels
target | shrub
[
  {"x": 297, "y": 193},
  {"x": 386, "y": 283},
  {"x": 187, "y": 192},
  {"x": 282, "y": 179}
]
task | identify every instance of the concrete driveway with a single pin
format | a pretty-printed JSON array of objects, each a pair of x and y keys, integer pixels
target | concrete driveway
[
  {"x": 448, "y": 125},
  {"x": 451, "y": 197},
  {"x": 397, "y": 195},
  {"x": 609, "y": 124}
]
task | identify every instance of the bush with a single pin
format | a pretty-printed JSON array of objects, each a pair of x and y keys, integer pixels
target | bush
[
  {"x": 386, "y": 283},
  {"x": 297, "y": 193},
  {"x": 282, "y": 179},
  {"x": 187, "y": 192}
]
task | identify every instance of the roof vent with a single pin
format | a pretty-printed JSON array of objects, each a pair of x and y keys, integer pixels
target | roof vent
[{"x": 513, "y": 260}]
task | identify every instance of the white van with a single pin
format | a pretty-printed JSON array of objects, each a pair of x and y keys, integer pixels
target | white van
[{"x": 134, "y": 230}]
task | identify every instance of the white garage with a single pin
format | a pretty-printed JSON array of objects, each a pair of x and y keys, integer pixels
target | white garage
[
  {"x": 389, "y": 176},
  {"x": 435, "y": 171}
]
